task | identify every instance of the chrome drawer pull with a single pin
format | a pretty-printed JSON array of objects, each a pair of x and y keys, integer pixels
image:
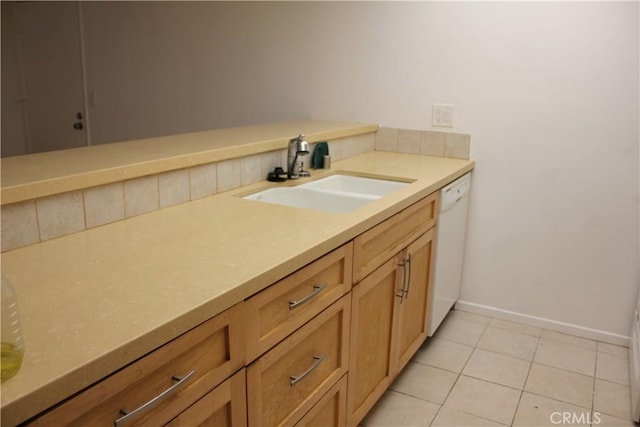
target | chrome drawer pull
[
  {"x": 402, "y": 293},
  {"x": 317, "y": 361},
  {"x": 316, "y": 290},
  {"x": 128, "y": 415},
  {"x": 407, "y": 264}
]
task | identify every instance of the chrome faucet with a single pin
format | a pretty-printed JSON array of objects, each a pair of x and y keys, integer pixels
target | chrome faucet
[{"x": 298, "y": 146}]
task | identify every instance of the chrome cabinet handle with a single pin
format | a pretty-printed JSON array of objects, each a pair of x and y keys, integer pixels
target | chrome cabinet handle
[
  {"x": 407, "y": 264},
  {"x": 128, "y": 415},
  {"x": 401, "y": 293},
  {"x": 317, "y": 361},
  {"x": 316, "y": 290}
]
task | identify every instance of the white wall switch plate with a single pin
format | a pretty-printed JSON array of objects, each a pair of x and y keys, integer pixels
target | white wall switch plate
[{"x": 442, "y": 115}]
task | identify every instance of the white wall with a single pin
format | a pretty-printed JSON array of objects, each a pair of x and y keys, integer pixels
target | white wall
[{"x": 549, "y": 91}]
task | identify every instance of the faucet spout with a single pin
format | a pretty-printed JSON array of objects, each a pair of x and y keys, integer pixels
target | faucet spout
[{"x": 298, "y": 146}]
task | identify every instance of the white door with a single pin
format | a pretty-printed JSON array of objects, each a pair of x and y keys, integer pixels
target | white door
[{"x": 48, "y": 37}]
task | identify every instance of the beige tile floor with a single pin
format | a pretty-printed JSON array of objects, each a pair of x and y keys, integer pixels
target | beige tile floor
[{"x": 480, "y": 371}]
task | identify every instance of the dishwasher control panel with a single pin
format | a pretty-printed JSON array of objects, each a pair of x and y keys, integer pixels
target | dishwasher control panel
[{"x": 454, "y": 191}]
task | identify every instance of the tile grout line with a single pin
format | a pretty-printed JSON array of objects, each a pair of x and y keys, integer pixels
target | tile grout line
[
  {"x": 513, "y": 418},
  {"x": 474, "y": 347},
  {"x": 555, "y": 367},
  {"x": 459, "y": 374}
]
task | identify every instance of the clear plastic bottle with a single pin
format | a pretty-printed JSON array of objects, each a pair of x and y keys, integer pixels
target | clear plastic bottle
[{"x": 11, "y": 338}]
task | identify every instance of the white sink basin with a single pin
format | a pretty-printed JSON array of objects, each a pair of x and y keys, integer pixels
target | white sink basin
[
  {"x": 334, "y": 194},
  {"x": 312, "y": 199},
  {"x": 355, "y": 184}
]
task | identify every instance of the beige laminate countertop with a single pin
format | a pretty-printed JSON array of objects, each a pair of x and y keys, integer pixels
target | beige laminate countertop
[
  {"x": 94, "y": 301},
  {"x": 43, "y": 174}
]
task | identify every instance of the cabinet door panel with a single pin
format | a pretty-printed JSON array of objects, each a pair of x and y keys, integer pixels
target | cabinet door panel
[
  {"x": 372, "y": 360},
  {"x": 412, "y": 327}
]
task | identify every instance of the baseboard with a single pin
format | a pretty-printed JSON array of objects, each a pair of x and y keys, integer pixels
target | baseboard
[{"x": 541, "y": 322}]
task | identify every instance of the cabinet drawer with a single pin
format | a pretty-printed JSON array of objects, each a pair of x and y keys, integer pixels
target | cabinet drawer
[
  {"x": 288, "y": 380},
  {"x": 202, "y": 357},
  {"x": 376, "y": 245},
  {"x": 282, "y": 308},
  {"x": 226, "y": 405},
  {"x": 330, "y": 410}
]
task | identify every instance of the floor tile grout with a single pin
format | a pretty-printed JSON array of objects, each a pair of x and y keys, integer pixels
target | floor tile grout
[
  {"x": 460, "y": 372},
  {"x": 524, "y": 386}
]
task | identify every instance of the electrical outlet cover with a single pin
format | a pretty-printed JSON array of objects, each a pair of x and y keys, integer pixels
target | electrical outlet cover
[{"x": 442, "y": 115}]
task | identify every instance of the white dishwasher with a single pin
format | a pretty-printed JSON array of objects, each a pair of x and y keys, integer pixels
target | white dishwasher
[{"x": 452, "y": 226}]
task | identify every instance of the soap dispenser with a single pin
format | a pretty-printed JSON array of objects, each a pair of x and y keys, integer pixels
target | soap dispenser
[{"x": 11, "y": 336}]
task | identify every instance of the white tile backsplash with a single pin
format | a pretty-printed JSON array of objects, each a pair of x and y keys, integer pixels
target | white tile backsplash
[
  {"x": 368, "y": 142},
  {"x": 203, "y": 180},
  {"x": 409, "y": 141},
  {"x": 104, "y": 204},
  {"x": 251, "y": 169},
  {"x": 270, "y": 161},
  {"x": 350, "y": 147},
  {"x": 336, "y": 150},
  {"x": 173, "y": 187},
  {"x": 60, "y": 214},
  {"x": 387, "y": 139},
  {"x": 426, "y": 142},
  {"x": 141, "y": 195},
  {"x": 433, "y": 143},
  {"x": 229, "y": 174},
  {"x": 19, "y": 225},
  {"x": 457, "y": 145}
]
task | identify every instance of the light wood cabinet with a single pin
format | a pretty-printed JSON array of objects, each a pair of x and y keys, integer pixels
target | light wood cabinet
[
  {"x": 175, "y": 375},
  {"x": 277, "y": 311},
  {"x": 330, "y": 409},
  {"x": 289, "y": 380},
  {"x": 413, "y": 316},
  {"x": 389, "y": 311},
  {"x": 224, "y": 406},
  {"x": 309, "y": 350},
  {"x": 385, "y": 240},
  {"x": 372, "y": 358}
]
